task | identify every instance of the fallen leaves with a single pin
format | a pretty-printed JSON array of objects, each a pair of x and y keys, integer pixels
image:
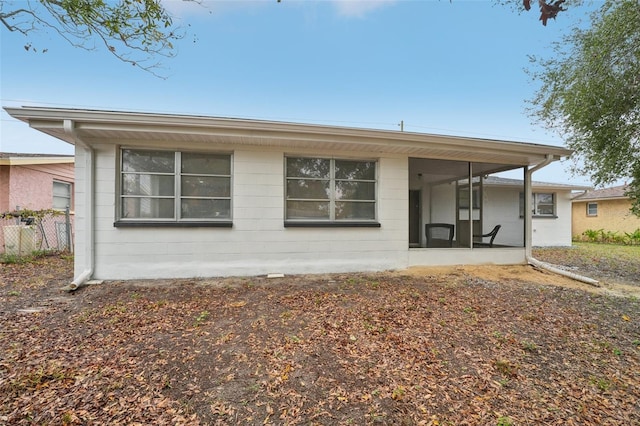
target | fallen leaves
[{"x": 356, "y": 348}]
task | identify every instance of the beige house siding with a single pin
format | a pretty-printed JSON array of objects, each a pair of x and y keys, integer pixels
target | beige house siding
[{"x": 613, "y": 215}]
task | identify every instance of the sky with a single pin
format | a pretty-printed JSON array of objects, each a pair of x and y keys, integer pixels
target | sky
[{"x": 445, "y": 67}]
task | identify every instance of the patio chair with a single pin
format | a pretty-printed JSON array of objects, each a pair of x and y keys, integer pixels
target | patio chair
[
  {"x": 480, "y": 242},
  {"x": 439, "y": 234}
]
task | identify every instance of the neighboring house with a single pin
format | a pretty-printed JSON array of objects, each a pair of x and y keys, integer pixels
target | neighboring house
[
  {"x": 35, "y": 182},
  {"x": 161, "y": 195},
  {"x": 607, "y": 209},
  {"x": 550, "y": 206}
]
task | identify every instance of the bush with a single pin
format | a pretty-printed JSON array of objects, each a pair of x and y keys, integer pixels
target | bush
[{"x": 610, "y": 237}]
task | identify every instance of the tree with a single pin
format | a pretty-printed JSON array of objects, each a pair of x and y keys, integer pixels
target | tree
[
  {"x": 547, "y": 9},
  {"x": 134, "y": 31},
  {"x": 590, "y": 95}
]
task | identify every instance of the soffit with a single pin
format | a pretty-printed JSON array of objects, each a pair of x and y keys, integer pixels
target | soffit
[{"x": 91, "y": 127}]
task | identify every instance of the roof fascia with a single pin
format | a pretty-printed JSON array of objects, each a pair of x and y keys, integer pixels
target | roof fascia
[
  {"x": 27, "y": 161},
  {"x": 559, "y": 187},
  {"x": 578, "y": 199},
  {"x": 538, "y": 187},
  {"x": 53, "y": 118}
]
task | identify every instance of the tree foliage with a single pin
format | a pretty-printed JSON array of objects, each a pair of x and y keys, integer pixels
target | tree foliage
[
  {"x": 137, "y": 32},
  {"x": 590, "y": 95},
  {"x": 547, "y": 9}
]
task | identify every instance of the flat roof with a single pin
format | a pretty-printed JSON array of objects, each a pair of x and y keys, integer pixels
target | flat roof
[{"x": 88, "y": 127}]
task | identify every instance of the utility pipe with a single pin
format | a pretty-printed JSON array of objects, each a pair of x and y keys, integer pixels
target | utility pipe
[
  {"x": 552, "y": 268},
  {"x": 89, "y": 155},
  {"x": 528, "y": 235}
]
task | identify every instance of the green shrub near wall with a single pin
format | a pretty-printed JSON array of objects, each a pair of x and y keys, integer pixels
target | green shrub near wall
[{"x": 610, "y": 237}]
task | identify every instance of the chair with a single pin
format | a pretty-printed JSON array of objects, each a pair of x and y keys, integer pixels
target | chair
[
  {"x": 439, "y": 234},
  {"x": 491, "y": 234}
]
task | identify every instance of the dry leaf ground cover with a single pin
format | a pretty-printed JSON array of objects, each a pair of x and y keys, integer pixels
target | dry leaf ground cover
[{"x": 457, "y": 346}]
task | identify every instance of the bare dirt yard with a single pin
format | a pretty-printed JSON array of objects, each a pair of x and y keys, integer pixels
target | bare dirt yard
[{"x": 429, "y": 346}]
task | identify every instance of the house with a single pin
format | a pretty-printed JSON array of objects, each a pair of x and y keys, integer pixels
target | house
[
  {"x": 607, "y": 209},
  {"x": 550, "y": 206},
  {"x": 34, "y": 182},
  {"x": 164, "y": 195}
]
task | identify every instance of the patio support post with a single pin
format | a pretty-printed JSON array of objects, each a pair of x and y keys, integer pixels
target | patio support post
[
  {"x": 470, "y": 236},
  {"x": 528, "y": 193}
]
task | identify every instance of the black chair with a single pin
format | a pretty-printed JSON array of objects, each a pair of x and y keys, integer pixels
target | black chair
[
  {"x": 439, "y": 234},
  {"x": 492, "y": 234}
]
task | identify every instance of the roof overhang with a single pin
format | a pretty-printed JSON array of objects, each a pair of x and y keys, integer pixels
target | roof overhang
[
  {"x": 539, "y": 186},
  {"x": 579, "y": 199},
  {"x": 29, "y": 161},
  {"x": 98, "y": 127}
]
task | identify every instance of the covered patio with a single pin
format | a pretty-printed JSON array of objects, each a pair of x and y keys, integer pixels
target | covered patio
[{"x": 456, "y": 218}]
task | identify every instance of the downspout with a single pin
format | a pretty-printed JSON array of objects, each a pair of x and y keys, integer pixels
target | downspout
[
  {"x": 528, "y": 214},
  {"x": 85, "y": 275}
]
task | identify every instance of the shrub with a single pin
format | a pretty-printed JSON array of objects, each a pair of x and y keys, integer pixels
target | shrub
[
  {"x": 610, "y": 237},
  {"x": 634, "y": 237}
]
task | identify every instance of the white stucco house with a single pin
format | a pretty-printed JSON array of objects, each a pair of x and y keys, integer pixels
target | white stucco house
[
  {"x": 551, "y": 208},
  {"x": 162, "y": 196}
]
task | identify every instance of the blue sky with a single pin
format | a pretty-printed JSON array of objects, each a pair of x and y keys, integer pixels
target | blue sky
[{"x": 442, "y": 67}]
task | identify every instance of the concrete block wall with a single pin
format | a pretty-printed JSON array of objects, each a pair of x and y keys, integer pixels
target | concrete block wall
[
  {"x": 613, "y": 215},
  {"x": 258, "y": 243}
]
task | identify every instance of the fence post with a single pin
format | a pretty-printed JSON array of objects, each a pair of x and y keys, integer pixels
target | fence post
[{"x": 68, "y": 225}]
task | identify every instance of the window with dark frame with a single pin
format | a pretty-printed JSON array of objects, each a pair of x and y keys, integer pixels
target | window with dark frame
[
  {"x": 158, "y": 185},
  {"x": 330, "y": 190},
  {"x": 592, "y": 209}
]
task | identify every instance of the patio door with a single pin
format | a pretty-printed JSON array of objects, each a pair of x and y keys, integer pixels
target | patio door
[
  {"x": 467, "y": 215},
  {"x": 414, "y": 218}
]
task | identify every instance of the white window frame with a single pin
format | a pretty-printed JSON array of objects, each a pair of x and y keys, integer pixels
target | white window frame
[
  {"x": 535, "y": 204},
  {"x": 69, "y": 199},
  {"x": 177, "y": 196},
  {"x": 589, "y": 211},
  {"x": 332, "y": 220}
]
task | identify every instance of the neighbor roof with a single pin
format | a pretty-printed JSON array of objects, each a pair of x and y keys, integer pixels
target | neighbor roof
[
  {"x": 615, "y": 192},
  {"x": 17, "y": 159},
  {"x": 86, "y": 127},
  {"x": 500, "y": 181}
]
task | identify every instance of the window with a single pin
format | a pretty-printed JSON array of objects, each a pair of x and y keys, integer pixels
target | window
[
  {"x": 542, "y": 204},
  {"x": 592, "y": 209},
  {"x": 330, "y": 190},
  {"x": 175, "y": 186},
  {"x": 463, "y": 197},
  {"x": 61, "y": 195}
]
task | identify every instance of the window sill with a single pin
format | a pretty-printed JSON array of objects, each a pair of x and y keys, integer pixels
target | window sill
[
  {"x": 314, "y": 224},
  {"x": 161, "y": 224}
]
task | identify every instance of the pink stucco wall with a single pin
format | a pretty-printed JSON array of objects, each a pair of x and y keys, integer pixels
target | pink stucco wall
[
  {"x": 31, "y": 187},
  {"x": 4, "y": 188}
]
